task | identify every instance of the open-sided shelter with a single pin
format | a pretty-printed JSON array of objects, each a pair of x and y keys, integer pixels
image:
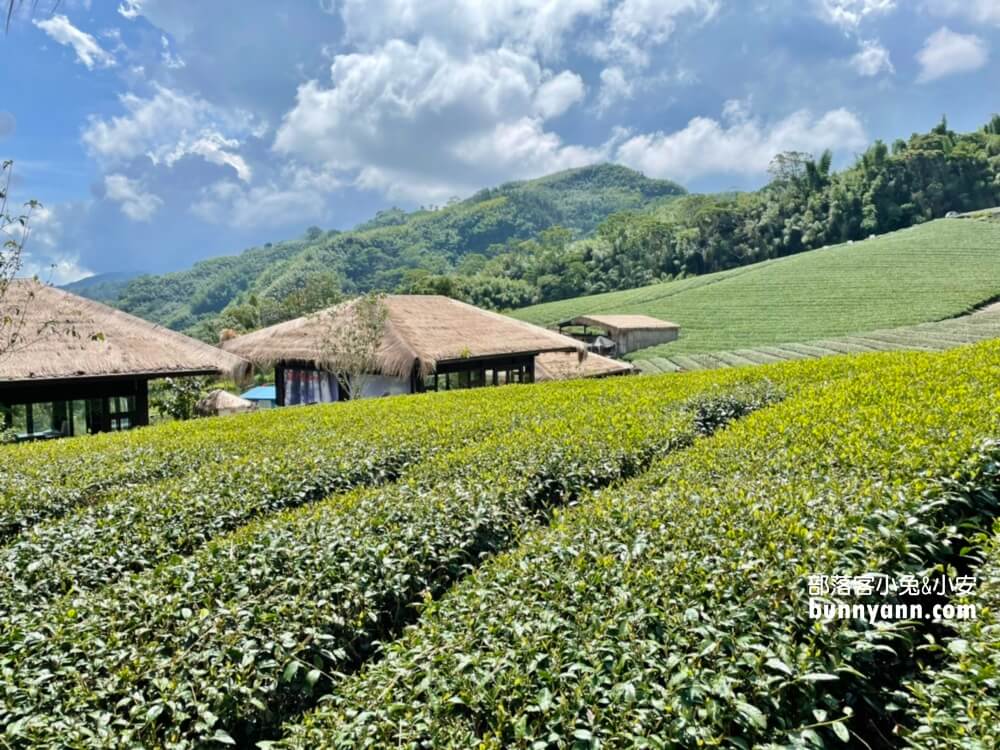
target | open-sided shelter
[
  {"x": 81, "y": 367},
  {"x": 428, "y": 342},
  {"x": 628, "y": 332}
]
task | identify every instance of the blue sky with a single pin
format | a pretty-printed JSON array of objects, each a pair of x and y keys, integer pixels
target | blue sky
[{"x": 160, "y": 132}]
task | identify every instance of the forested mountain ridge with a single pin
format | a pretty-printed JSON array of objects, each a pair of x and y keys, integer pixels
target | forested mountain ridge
[
  {"x": 393, "y": 250},
  {"x": 804, "y": 207}
]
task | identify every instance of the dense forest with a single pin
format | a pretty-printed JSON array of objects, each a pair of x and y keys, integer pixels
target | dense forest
[{"x": 583, "y": 231}]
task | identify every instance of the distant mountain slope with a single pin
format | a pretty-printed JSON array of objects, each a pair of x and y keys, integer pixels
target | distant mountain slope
[
  {"x": 934, "y": 271},
  {"x": 103, "y": 287},
  {"x": 379, "y": 253}
]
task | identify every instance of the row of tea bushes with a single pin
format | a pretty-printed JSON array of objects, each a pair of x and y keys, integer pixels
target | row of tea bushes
[
  {"x": 956, "y": 704},
  {"x": 135, "y": 528},
  {"x": 227, "y": 644},
  {"x": 43, "y": 481},
  {"x": 674, "y": 611}
]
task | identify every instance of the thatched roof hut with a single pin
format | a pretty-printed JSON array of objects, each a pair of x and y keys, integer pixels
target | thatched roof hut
[
  {"x": 78, "y": 366},
  {"x": 220, "y": 402},
  {"x": 421, "y": 332},
  {"x": 562, "y": 366},
  {"x": 66, "y": 336}
]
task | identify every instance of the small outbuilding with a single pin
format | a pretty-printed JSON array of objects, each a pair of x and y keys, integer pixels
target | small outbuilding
[
  {"x": 220, "y": 403},
  {"x": 80, "y": 367},
  {"x": 428, "y": 343},
  {"x": 628, "y": 332}
]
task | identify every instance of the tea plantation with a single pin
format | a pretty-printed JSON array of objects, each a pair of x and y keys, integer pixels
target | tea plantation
[
  {"x": 591, "y": 564},
  {"x": 927, "y": 273}
]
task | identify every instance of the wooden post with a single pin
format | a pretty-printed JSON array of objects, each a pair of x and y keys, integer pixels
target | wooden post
[
  {"x": 531, "y": 370},
  {"x": 141, "y": 402},
  {"x": 279, "y": 384}
]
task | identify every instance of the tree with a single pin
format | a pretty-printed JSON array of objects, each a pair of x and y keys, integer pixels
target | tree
[
  {"x": 14, "y": 232},
  {"x": 352, "y": 339},
  {"x": 176, "y": 397}
]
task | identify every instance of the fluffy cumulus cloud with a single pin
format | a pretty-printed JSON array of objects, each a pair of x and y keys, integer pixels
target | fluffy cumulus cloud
[
  {"x": 413, "y": 119},
  {"x": 976, "y": 11},
  {"x": 535, "y": 24},
  {"x": 168, "y": 125},
  {"x": 298, "y": 194},
  {"x": 616, "y": 86},
  {"x": 88, "y": 52},
  {"x": 849, "y": 14},
  {"x": 135, "y": 202},
  {"x": 638, "y": 25},
  {"x": 871, "y": 59},
  {"x": 742, "y": 145},
  {"x": 947, "y": 53}
]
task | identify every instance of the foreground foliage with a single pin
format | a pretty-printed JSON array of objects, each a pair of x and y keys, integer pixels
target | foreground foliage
[
  {"x": 956, "y": 703},
  {"x": 673, "y": 612},
  {"x": 228, "y": 643}
]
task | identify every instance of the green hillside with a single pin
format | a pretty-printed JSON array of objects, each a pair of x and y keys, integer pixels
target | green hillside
[
  {"x": 930, "y": 272},
  {"x": 384, "y": 252},
  {"x": 935, "y": 336}
]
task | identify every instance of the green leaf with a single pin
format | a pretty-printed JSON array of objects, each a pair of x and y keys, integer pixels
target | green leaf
[
  {"x": 752, "y": 714},
  {"x": 840, "y": 729}
]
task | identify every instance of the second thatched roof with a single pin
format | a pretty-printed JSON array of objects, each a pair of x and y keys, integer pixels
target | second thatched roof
[{"x": 420, "y": 332}]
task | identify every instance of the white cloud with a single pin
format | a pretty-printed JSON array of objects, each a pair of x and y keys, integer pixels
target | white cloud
[
  {"x": 169, "y": 125},
  {"x": 136, "y": 204},
  {"x": 871, "y": 59},
  {"x": 131, "y": 9},
  {"x": 616, "y": 86},
  {"x": 403, "y": 113},
  {"x": 737, "y": 110},
  {"x": 271, "y": 205},
  {"x": 848, "y": 14},
  {"x": 538, "y": 24},
  {"x": 168, "y": 58},
  {"x": 948, "y": 53},
  {"x": 707, "y": 147},
  {"x": 558, "y": 94},
  {"x": 43, "y": 257},
  {"x": 975, "y": 11},
  {"x": 213, "y": 148},
  {"x": 636, "y": 25},
  {"x": 87, "y": 50}
]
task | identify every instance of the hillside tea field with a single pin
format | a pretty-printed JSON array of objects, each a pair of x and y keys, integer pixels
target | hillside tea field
[
  {"x": 616, "y": 563},
  {"x": 930, "y": 272}
]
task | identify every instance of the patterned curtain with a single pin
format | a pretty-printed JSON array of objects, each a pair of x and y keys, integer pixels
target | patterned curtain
[{"x": 310, "y": 387}]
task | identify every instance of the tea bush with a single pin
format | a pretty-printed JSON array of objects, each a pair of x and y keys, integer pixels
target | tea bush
[
  {"x": 673, "y": 611},
  {"x": 245, "y": 633}
]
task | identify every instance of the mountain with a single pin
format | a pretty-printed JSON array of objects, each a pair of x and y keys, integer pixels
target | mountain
[
  {"x": 394, "y": 247},
  {"x": 103, "y": 287}
]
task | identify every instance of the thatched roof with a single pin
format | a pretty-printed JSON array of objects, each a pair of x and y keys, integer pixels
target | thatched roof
[
  {"x": 563, "y": 366},
  {"x": 420, "y": 330},
  {"x": 219, "y": 401},
  {"x": 618, "y": 323},
  {"x": 66, "y": 336}
]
